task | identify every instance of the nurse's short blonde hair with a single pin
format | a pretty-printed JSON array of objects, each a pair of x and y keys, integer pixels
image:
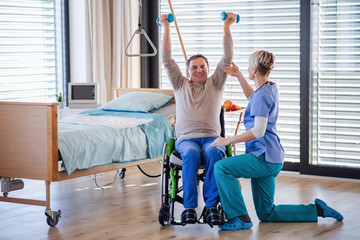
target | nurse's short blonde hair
[{"x": 263, "y": 61}]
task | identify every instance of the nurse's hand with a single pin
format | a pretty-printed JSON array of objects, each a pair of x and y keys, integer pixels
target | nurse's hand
[
  {"x": 220, "y": 141},
  {"x": 233, "y": 70}
]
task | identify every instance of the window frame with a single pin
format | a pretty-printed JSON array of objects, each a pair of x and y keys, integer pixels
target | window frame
[
  {"x": 65, "y": 49},
  {"x": 305, "y": 166}
]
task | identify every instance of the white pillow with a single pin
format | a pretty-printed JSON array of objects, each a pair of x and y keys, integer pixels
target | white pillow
[{"x": 139, "y": 102}]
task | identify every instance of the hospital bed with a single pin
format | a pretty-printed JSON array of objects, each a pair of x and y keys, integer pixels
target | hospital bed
[{"x": 29, "y": 147}]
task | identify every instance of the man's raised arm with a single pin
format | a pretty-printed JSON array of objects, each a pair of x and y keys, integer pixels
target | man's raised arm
[
  {"x": 172, "y": 69},
  {"x": 219, "y": 75},
  {"x": 166, "y": 44}
]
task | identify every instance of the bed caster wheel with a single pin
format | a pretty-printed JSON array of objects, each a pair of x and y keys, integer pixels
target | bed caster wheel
[
  {"x": 122, "y": 173},
  {"x": 164, "y": 215},
  {"x": 52, "y": 222},
  {"x": 52, "y": 218}
]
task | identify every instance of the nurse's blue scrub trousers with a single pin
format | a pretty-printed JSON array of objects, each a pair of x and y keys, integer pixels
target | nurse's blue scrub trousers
[{"x": 262, "y": 176}]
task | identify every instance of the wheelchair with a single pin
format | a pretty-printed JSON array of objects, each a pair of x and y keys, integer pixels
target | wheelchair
[{"x": 170, "y": 175}]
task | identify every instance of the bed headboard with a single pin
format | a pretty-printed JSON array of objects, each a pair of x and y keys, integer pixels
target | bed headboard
[
  {"x": 28, "y": 140},
  {"x": 121, "y": 91}
]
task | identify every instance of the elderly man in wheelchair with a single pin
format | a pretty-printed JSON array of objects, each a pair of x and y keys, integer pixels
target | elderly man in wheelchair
[
  {"x": 172, "y": 164},
  {"x": 198, "y": 100}
]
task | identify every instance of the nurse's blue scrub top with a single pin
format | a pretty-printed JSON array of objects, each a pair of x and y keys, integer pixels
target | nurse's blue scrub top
[{"x": 264, "y": 102}]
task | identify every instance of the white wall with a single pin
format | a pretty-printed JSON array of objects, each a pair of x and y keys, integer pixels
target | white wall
[
  {"x": 80, "y": 45},
  {"x": 80, "y": 64},
  {"x": 134, "y": 47}
]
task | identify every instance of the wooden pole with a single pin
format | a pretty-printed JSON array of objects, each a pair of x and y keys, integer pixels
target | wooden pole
[{"x": 178, "y": 31}]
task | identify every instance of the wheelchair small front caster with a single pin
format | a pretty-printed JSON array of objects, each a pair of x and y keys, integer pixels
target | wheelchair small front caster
[
  {"x": 164, "y": 215},
  {"x": 122, "y": 173}
]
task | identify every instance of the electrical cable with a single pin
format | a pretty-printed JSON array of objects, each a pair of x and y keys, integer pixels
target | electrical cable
[
  {"x": 148, "y": 175},
  {"x": 107, "y": 184}
]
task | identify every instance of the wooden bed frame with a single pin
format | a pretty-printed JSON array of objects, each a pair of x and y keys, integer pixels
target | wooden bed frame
[{"x": 29, "y": 147}]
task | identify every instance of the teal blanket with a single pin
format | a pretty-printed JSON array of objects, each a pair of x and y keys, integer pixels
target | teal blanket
[{"x": 83, "y": 146}]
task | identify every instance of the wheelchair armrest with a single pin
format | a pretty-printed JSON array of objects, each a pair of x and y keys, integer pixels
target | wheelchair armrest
[
  {"x": 228, "y": 150},
  {"x": 170, "y": 146}
]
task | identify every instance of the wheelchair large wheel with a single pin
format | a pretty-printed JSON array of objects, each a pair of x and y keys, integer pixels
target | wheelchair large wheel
[
  {"x": 164, "y": 175},
  {"x": 165, "y": 172},
  {"x": 164, "y": 215}
]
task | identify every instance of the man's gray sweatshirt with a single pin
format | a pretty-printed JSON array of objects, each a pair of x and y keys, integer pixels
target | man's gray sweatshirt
[{"x": 198, "y": 106}]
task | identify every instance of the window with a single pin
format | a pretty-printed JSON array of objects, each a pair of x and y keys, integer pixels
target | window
[
  {"x": 30, "y": 50},
  {"x": 270, "y": 25},
  {"x": 335, "y": 105}
]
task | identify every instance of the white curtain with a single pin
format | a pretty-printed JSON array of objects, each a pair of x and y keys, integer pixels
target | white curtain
[{"x": 99, "y": 49}]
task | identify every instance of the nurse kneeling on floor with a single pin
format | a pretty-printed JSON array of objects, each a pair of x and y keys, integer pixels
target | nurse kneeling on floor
[{"x": 264, "y": 156}]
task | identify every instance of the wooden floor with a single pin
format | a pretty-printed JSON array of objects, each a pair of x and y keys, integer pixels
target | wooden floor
[{"x": 128, "y": 209}]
